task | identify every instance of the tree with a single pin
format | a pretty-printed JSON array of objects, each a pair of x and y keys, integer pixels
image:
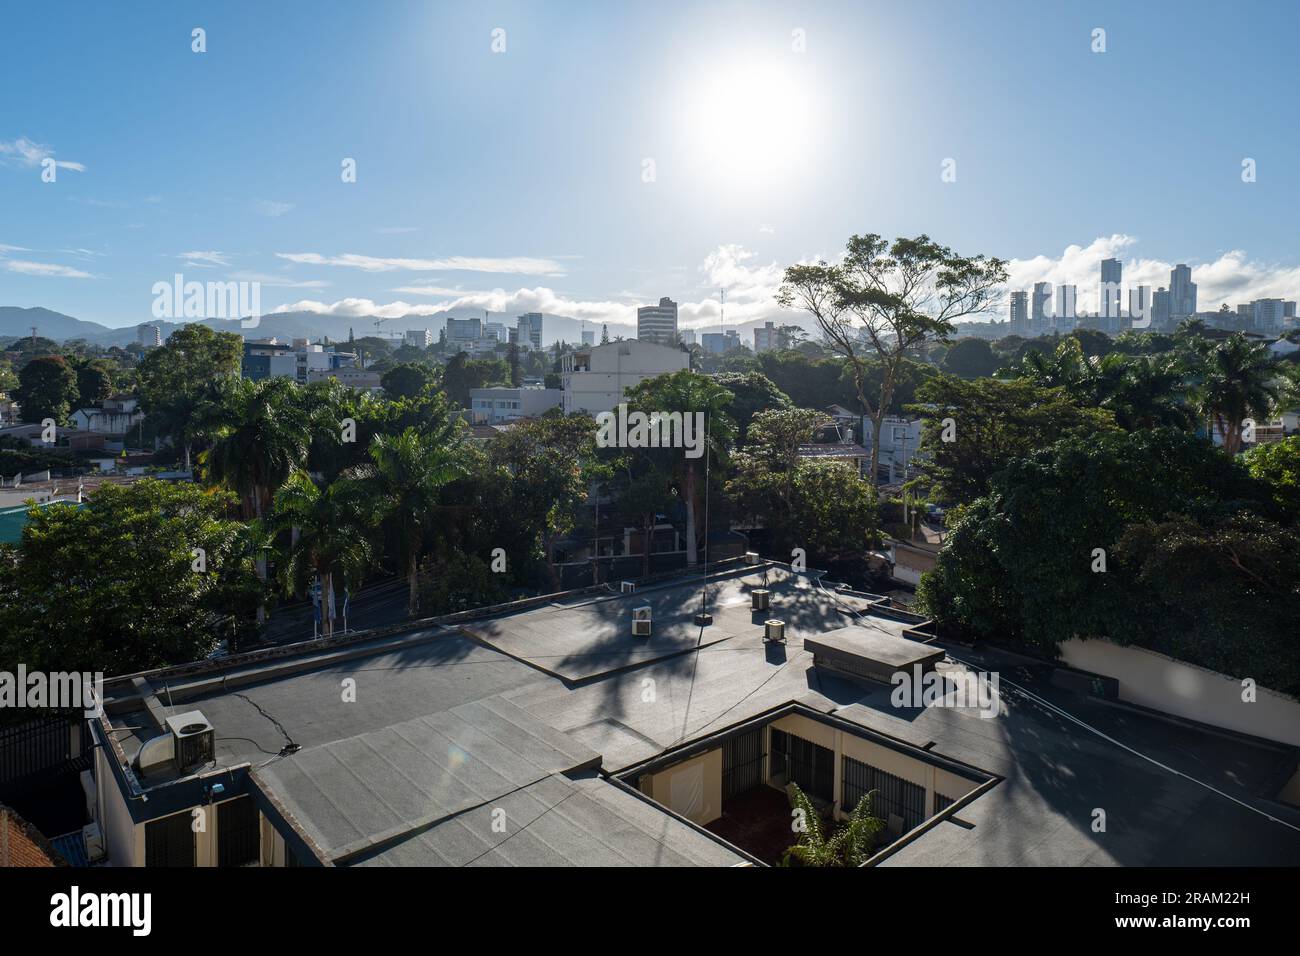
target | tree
[
  {"x": 406, "y": 380},
  {"x": 94, "y": 380},
  {"x": 1028, "y": 561},
  {"x": 973, "y": 430},
  {"x": 1234, "y": 382},
  {"x": 689, "y": 393},
  {"x": 140, "y": 576},
  {"x": 753, "y": 393},
  {"x": 259, "y": 438},
  {"x": 175, "y": 379},
  {"x": 329, "y": 532},
  {"x": 970, "y": 358},
  {"x": 549, "y": 463},
  {"x": 1278, "y": 465},
  {"x": 885, "y": 301},
  {"x": 406, "y": 476},
  {"x": 849, "y": 845},
  {"x": 47, "y": 388}
]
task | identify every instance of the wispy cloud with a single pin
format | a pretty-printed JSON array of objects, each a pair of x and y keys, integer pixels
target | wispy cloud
[
  {"x": 519, "y": 265},
  {"x": 45, "y": 269},
  {"x": 204, "y": 260},
  {"x": 24, "y": 152},
  {"x": 269, "y": 207},
  {"x": 279, "y": 281}
]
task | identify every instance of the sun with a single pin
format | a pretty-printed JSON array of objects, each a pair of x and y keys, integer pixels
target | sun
[{"x": 749, "y": 122}]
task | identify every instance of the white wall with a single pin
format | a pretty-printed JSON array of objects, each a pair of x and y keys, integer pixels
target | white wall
[{"x": 1185, "y": 690}]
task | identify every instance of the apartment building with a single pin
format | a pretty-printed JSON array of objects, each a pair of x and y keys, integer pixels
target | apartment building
[{"x": 596, "y": 379}]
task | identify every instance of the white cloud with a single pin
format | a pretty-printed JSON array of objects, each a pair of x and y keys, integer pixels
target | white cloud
[
  {"x": 279, "y": 281},
  {"x": 269, "y": 207},
  {"x": 23, "y": 151},
  {"x": 4, "y": 249},
  {"x": 204, "y": 260},
  {"x": 521, "y": 265},
  {"x": 751, "y": 290},
  {"x": 1231, "y": 278},
  {"x": 45, "y": 269}
]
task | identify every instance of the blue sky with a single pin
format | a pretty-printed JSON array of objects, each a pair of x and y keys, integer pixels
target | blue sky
[{"x": 516, "y": 180}]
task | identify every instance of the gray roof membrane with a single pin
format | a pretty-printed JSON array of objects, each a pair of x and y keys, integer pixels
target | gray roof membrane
[
  {"x": 562, "y": 820},
  {"x": 355, "y": 794}
]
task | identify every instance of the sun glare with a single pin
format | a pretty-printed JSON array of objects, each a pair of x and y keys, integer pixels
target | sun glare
[{"x": 748, "y": 123}]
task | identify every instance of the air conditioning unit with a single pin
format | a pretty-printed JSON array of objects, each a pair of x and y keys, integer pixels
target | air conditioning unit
[
  {"x": 93, "y": 837},
  {"x": 762, "y": 599},
  {"x": 751, "y": 557},
  {"x": 194, "y": 739},
  {"x": 627, "y": 587},
  {"x": 774, "y": 631},
  {"x": 641, "y": 621}
]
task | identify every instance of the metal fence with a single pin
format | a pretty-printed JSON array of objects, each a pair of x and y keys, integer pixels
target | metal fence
[
  {"x": 893, "y": 795},
  {"x": 42, "y": 748}
]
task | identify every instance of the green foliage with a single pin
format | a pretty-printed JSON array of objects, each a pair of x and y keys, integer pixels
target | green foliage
[
  {"x": 447, "y": 587},
  {"x": 47, "y": 388},
  {"x": 463, "y": 373},
  {"x": 406, "y": 381},
  {"x": 1278, "y": 465},
  {"x": 851, "y": 843},
  {"x": 1018, "y": 565},
  {"x": 94, "y": 380},
  {"x": 970, "y": 358},
  {"x": 753, "y": 392},
  {"x": 1234, "y": 381},
  {"x": 994, "y": 422},
  {"x": 110, "y": 585}
]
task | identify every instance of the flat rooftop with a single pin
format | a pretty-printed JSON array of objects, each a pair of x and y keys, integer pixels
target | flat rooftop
[{"x": 533, "y": 711}]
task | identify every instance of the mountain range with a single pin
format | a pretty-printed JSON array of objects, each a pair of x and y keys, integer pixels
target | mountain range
[{"x": 17, "y": 322}]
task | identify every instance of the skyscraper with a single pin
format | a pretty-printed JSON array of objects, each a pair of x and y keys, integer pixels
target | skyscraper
[
  {"x": 1160, "y": 308},
  {"x": 1040, "y": 319},
  {"x": 529, "y": 330},
  {"x": 1019, "y": 313},
  {"x": 1182, "y": 292},
  {"x": 1067, "y": 307},
  {"x": 1112, "y": 274},
  {"x": 1139, "y": 306},
  {"x": 657, "y": 323}
]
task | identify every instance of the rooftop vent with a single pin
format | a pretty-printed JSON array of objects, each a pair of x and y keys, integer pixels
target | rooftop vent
[
  {"x": 641, "y": 621},
  {"x": 762, "y": 599}
]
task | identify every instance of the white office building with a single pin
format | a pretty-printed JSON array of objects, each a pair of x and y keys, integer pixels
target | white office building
[
  {"x": 597, "y": 379},
  {"x": 657, "y": 323},
  {"x": 418, "y": 338},
  {"x": 529, "y": 330}
]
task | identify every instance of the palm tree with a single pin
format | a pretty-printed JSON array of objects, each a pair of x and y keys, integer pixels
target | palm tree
[
  {"x": 407, "y": 474},
  {"x": 1237, "y": 381},
  {"x": 331, "y": 534},
  {"x": 259, "y": 438},
  {"x": 1141, "y": 391},
  {"x": 850, "y": 845}
]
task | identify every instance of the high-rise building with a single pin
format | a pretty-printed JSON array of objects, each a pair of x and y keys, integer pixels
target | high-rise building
[
  {"x": 1160, "y": 309},
  {"x": 1067, "y": 307},
  {"x": 657, "y": 323},
  {"x": 1182, "y": 293},
  {"x": 588, "y": 336},
  {"x": 686, "y": 336},
  {"x": 1112, "y": 274},
  {"x": 419, "y": 338},
  {"x": 1139, "y": 306},
  {"x": 463, "y": 333},
  {"x": 1019, "y": 313},
  {"x": 149, "y": 335},
  {"x": 1268, "y": 316},
  {"x": 766, "y": 337},
  {"x": 530, "y": 330},
  {"x": 1039, "y": 318},
  {"x": 495, "y": 330}
]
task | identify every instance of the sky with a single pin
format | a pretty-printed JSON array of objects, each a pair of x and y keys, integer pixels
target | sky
[{"x": 582, "y": 158}]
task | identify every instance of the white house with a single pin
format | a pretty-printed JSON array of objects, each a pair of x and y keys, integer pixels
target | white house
[
  {"x": 597, "y": 379},
  {"x": 492, "y": 406},
  {"x": 115, "y": 416},
  {"x": 900, "y": 439}
]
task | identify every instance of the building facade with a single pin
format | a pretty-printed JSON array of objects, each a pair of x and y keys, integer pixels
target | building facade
[{"x": 596, "y": 379}]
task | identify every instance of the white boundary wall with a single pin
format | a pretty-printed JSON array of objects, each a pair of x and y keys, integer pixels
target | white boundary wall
[{"x": 1185, "y": 690}]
